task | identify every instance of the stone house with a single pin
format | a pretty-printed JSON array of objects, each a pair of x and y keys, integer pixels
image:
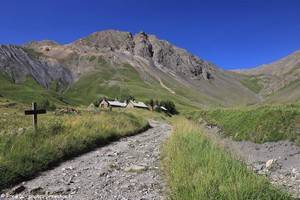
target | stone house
[
  {"x": 133, "y": 104},
  {"x": 106, "y": 103}
]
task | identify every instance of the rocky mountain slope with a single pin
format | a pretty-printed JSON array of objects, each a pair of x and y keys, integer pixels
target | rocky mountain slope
[
  {"x": 118, "y": 58},
  {"x": 280, "y": 80},
  {"x": 17, "y": 63}
]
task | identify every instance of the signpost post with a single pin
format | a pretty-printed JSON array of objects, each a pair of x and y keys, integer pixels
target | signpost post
[{"x": 35, "y": 113}]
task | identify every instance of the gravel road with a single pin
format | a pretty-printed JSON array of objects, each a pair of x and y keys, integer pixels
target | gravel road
[{"x": 126, "y": 169}]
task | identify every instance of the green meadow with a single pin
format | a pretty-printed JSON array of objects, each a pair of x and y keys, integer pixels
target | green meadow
[
  {"x": 196, "y": 168},
  {"x": 255, "y": 123},
  {"x": 24, "y": 153}
]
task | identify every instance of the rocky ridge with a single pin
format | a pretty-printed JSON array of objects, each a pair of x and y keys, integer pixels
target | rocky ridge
[
  {"x": 126, "y": 47},
  {"x": 18, "y": 63}
]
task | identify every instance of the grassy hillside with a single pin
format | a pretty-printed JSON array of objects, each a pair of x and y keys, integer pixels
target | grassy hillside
[
  {"x": 26, "y": 92},
  {"x": 118, "y": 81},
  {"x": 251, "y": 82},
  {"x": 290, "y": 93},
  {"x": 198, "y": 169},
  {"x": 258, "y": 123},
  {"x": 24, "y": 153},
  {"x": 281, "y": 78},
  {"x": 110, "y": 81}
]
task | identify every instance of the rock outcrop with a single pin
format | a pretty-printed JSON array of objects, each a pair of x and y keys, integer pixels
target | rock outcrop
[
  {"x": 160, "y": 53},
  {"x": 142, "y": 46},
  {"x": 18, "y": 63},
  {"x": 109, "y": 40}
]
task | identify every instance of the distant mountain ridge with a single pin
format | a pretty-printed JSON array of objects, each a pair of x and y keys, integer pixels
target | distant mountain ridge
[
  {"x": 280, "y": 79},
  {"x": 124, "y": 46},
  {"x": 157, "y": 62}
]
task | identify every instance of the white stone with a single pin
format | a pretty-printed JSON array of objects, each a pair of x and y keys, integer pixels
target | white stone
[
  {"x": 271, "y": 163},
  {"x": 294, "y": 171},
  {"x": 21, "y": 130},
  {"x": 135, "y": 168}
]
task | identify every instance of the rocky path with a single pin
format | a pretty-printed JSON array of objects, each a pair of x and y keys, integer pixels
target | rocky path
[
  {"x": 279, "y": 161},
  {"x": 126, "y": 169}
]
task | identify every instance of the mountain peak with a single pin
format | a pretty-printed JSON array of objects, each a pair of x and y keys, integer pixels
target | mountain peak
[
  {"x": 108, "y": 39},
  {"x": 41, "y": 43},
  {"x": 152, "y": 58}
]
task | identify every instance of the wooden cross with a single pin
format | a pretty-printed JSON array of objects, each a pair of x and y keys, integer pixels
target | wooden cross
[{"x": 34, "y": 112}]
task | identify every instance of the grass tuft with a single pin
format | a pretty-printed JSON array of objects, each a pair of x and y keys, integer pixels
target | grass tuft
[
  {"x": 23, "y": 155},
  {"x": 198, "y": 169},
  {"x": 257, "y": 124}
]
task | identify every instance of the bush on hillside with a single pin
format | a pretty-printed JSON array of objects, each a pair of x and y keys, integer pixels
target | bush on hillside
[
  {"x": 151, "y": 103},
  {"x": 169, "y": 105},
  {"x": 97, "y": 102},
  {"x": 126, "y": 98},
  {"x": 46, "y": 104}
]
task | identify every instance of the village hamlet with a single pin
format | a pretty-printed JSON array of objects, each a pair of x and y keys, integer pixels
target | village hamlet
[
  {"x": 163, "y": 106},
  {"x": 117, "y": 104}
]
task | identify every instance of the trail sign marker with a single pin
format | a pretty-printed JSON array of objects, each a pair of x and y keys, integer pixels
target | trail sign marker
[{"x": 34, "y": 112}]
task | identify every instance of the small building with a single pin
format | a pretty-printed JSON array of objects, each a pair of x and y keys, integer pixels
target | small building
[
  {"x": 163, "y": 109},
  {"x": 133, "y": 104},
  {"x": 116, "y": 103},
  {"x": 103, "y": 104},
  {"x": 91, "y": 107},
  {"x": 106, "y": 103}
]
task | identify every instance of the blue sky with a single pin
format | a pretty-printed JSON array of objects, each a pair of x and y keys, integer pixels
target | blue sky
[{"x": 229, "y": 33}]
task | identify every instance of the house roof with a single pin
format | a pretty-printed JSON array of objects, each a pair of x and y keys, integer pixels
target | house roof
[
  {"x": 117, "y": 103},
  {"x": 139, "y": 104},
  {"x": 163, "y": 108}
]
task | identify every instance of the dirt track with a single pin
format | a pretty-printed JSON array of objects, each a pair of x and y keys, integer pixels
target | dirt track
[{"x": 126, "y": 169}]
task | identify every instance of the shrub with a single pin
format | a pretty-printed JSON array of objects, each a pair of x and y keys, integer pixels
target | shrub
[
  {"x": 151, "y": 103},
  {"x": 97, "y": 102},
  {"x": 46, "y": 104},
  {"x": 101, "y": 60},
  {"x": 126, "y": 98},
  {"x": 92, "y": 58},
  {"x": 55, "y": 126},
  {"x": 170, "y": 106}
]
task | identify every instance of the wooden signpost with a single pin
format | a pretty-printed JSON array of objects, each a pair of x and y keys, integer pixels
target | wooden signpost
[{"x": 35, "y": 113}]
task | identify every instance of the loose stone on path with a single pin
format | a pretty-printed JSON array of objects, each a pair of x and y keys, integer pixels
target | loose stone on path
[{"x": 126, "y": 169}]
